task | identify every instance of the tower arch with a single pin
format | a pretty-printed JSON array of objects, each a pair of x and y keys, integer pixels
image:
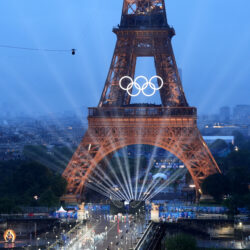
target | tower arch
[{"x": 175, "y": 135}]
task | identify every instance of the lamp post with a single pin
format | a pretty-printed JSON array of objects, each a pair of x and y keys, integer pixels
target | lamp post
[
  {"x": 106, "y": 233},
  {"x": 37, "y": 241},
  {"x": 131, "y": 240}
]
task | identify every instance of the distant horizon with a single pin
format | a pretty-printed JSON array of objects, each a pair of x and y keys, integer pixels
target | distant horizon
[{"x": 82, "y": 112}]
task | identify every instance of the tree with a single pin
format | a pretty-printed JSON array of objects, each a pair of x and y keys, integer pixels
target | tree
[
  {"x": 8, "y": 206},
  {"x": 216, "y": 185},
  {"x": 238, "y": 173},
  {"x": 57, "y": 159},
  {"x": 235, "y": 167},
  {"x": 239, "y": 139},
  {"x": 48, "y": 198},
  {"x": 180, "y": 242},
  {"x": 218, "y": 145},
  {"x": 31, "y": 184}
]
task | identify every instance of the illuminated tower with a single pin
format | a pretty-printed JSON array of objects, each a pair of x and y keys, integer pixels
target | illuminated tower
[{"x": 114, "y": 124}]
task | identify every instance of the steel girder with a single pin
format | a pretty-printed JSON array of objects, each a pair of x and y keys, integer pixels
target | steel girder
[
  {"x": 134, "y": 43},
  {"x": 143, "y": 7},
  {"x": 178, "y": 135}
]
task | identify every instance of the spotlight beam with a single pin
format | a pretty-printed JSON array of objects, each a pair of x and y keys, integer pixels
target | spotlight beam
[
  {"x": 109, "y": 182},
  {"x": 137, "y": 171},
  {"x": 126, "y": 192},
  {"x": 102, "y": 189},
  {"x": 174, "y": 177},
  {"x": 101, "y": 184},
  {"x": 127, "y": 168}
]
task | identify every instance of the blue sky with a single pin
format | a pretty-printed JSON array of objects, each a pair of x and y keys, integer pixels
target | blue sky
[{"x": 211, "y": 47}]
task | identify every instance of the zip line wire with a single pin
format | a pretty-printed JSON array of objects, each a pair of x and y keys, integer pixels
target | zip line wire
[{"x": 73, "y": 51}]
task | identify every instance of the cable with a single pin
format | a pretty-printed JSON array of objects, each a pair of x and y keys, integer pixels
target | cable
[{"x": 73, "y": 51}]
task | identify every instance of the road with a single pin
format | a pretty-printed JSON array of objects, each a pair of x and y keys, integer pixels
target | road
[{"x": 106, "y": 232}]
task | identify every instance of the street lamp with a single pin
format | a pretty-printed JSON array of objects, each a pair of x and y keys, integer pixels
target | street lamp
[
  {"x": 37, "y": 239},
  {"x": 106, "y": 228}
]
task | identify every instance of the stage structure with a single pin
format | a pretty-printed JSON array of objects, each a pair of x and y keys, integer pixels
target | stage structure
[{"x": 115, "y": 123}]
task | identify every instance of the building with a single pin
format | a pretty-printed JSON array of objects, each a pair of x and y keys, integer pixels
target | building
[
  {"x": 225, "y": 114},
  {"x": 241, "y": 114}
]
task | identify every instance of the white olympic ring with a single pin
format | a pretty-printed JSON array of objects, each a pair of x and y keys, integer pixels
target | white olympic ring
[{"x": 138, "y": 87}]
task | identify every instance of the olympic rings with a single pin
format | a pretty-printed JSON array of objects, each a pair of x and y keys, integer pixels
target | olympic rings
[{"x": 138, "y": 87}]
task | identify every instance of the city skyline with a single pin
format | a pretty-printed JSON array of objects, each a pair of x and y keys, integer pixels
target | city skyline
[
  {"x": 81, "y": 112},
  {"x": 42, "y": 81}
]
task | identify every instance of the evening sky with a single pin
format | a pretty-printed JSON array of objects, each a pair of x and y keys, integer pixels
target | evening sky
[{"x": 211, "y": 47}]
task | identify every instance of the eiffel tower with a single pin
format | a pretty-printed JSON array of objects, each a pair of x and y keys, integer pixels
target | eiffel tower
[{"x": 115, "y": 123}]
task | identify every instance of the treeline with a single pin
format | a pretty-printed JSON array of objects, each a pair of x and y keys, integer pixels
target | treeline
[
  {"x": 231, "y": 188},
  {"x": 55, "y": 158},
  {"x": 36, "y": 181},
  {"x": 28, "y": 184}
]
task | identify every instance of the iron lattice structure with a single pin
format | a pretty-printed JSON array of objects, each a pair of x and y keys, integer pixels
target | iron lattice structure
[{"x": 114, "y": 124}]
